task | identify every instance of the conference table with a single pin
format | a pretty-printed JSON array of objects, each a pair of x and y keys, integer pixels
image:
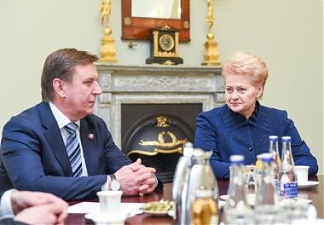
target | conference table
[{"x": 314, "y": 193}]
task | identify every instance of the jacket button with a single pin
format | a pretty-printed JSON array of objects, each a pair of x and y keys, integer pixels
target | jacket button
[{"x": 250, "y": 148}]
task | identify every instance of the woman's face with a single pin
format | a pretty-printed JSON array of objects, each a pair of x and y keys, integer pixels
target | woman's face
[{"x": 241, "y": 93}]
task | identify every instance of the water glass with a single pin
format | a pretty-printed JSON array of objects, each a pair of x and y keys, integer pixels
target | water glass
[
  {"x": 251, "y": 182},
  {"x": 270, "y": 214},
  {"x": 295, "y": 209}
]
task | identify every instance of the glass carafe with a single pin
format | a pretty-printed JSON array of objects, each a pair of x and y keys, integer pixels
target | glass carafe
[
  {"x": 201, "y": 185},
  {"x": 181, "y": 176}
]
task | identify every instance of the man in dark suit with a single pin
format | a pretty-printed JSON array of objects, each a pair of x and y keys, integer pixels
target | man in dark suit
[
  {"x": 39, "y": 152},
  {"x": 26, "y": 207}
]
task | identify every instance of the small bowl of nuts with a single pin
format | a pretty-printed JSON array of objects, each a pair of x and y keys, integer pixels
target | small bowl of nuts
[{"x": 158, "y": 208}]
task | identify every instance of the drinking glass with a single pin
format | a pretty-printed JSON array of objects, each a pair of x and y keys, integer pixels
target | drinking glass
[{"x": 251, "y": 182}]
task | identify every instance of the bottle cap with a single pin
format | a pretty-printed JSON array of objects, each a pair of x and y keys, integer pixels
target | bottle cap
[
  {"x": 236, "y": 159},
  {"x": 266, "y": 157},
  {"x": 286, "y": 138},
  {"x": 273, "y": 138}
]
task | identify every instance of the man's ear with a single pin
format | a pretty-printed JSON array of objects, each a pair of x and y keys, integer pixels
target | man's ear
[{"x": 58, "y": 86}]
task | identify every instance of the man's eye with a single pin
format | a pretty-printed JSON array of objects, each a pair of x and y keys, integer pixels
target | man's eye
[{"x": 88, "y": 82}]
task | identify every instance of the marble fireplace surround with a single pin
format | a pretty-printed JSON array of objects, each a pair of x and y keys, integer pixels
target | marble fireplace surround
[{"x": 154, "y": 84}]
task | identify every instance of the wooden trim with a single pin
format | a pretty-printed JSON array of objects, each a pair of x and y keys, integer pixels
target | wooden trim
[{"x": 136, "y": 28}]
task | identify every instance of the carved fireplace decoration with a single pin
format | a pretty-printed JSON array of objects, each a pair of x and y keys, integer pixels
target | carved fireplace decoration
[{"x": 158, "y": 140}]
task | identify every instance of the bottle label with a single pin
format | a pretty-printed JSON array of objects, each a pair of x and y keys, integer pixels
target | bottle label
[{"x": 289, "y": 190}]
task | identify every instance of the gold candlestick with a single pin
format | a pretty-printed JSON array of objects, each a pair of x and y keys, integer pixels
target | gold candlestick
[
  {"x": 211, "y": 54},
  {"x": 107, "y": 49}
]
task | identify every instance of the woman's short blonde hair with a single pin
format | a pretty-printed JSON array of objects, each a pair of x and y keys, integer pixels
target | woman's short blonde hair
[{"x": 243, "y": 63}]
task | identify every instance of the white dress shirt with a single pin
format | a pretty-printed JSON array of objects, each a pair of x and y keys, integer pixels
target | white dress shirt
[
  {"x": 5, "y": 205},
  {"x": 62, "y": 120}
]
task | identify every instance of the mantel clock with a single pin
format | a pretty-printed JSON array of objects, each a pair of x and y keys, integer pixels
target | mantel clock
[{"x": 164, "y": 43}]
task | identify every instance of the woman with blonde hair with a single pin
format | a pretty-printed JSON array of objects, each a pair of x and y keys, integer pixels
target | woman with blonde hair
[{"x": 242, "y": 126}]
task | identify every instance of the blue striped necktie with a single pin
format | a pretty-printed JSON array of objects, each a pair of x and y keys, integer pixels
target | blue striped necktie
[{"x": 73, "y": 149}]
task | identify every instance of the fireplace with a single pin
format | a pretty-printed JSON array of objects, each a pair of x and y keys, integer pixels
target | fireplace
[
  {"x": 156, "y": 133},
  {"x": 133, "y": 115},
  {"x": 137, "y": 99}
]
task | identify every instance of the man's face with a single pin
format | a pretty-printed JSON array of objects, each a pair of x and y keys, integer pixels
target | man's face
[{"x": 81, "y": 93}]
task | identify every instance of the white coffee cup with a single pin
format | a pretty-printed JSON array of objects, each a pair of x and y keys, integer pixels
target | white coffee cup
[
  {"x": 302, "y": 174},
  {"x": 110, "y": 202}
]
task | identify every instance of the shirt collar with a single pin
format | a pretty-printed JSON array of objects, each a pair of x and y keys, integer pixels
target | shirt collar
[
  {"x": 238, "y": 120},
  {"x": 60, "y": 118}
]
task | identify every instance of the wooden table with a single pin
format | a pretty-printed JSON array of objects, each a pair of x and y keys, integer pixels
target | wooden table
[{"x": 314, "y": 193}]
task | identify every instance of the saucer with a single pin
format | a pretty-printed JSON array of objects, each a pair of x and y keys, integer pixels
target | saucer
[
  {"x": 100, "y": 218},
  {"x": 157, "y": 213},
  {"x": 308, "y": 184}
]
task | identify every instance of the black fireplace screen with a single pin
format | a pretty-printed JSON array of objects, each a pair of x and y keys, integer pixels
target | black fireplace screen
[{"x": 156, "y": 133}]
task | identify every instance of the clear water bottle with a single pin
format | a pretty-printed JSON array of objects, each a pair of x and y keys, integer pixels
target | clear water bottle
[
  {"x": 258, "y": 171},
  {"x": 181, "y": 176},
  {"x": 201, "y": 188},
  {"x": 267, "y": 209},
  {"x": 288, "y": 186},
  {"x": 236, "y": 209},
  {"x": 274, "y": 150},
  {"x": 268, "y": 194}
]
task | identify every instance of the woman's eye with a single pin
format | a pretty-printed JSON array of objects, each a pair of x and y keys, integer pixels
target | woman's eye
[
  {"x": 241, "y": 90},
  {"x": 229, "y": 90}
]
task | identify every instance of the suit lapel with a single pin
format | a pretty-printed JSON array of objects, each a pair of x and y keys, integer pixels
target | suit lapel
[
  {"x": 54, "y": 138},
  {"x": 89, "y": 146}
]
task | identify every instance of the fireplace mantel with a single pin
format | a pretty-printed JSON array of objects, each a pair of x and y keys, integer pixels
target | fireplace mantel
[{"x": 154, "y": 84}]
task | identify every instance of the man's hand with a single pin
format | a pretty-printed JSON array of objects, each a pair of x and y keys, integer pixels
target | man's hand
[
  {"x": 42, "y": 214},
  {"x": 136, "y": 179},
  {"x": 24, "y": 201}
]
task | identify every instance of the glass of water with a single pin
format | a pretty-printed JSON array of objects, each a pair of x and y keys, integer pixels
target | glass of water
[{"x": 251, "y": 182}]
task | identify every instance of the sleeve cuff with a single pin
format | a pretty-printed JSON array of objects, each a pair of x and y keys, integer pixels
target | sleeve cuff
[
  {"x": 105, "y": 186},
  {"x": 156, "y": 181},
  {"x": 6, "y": 208}
]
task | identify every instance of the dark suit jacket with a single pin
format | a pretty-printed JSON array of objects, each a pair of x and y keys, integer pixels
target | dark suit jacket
[
  {"x": 10, "y": 221},
  {"x": 33, "y": 155}
]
